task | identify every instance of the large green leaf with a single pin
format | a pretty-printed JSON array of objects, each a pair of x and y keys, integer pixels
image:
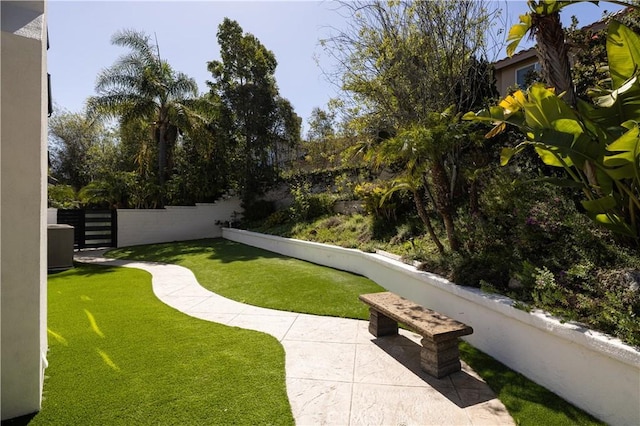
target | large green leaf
[
  {"x": 614, "y": 223},
  {"x": 574, "y": 150},
  {"x": 507, "y": 153},
  {"x": 517, "y": 32},
  {"x": 551, "y": 157},
  {"x": 623, "y": 51},
  {"x": 544, "y": 107},
  {"x": 628, "y": 141},
  {"x": 600, "y": 205},
  {"x": 625, "y": 163}
]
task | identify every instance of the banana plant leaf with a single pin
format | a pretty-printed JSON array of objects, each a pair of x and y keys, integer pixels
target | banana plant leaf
[{"x": 623, "y": 52}]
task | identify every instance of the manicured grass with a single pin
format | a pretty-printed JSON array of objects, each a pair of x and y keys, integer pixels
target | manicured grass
[
  {"x": 117, "y": 355},
  {"x": 252, "y": 275},
  {"x": 527, "y": 402},
  {"x": 259, "y": 277}
]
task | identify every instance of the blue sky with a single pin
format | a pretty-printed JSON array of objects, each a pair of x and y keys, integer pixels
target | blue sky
[{"x": 80, "y": 33}]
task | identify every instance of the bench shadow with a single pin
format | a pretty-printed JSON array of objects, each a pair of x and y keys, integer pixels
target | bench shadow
[
  {"x": 19, "y": 421},
  {"x": 461, "y": 388}
]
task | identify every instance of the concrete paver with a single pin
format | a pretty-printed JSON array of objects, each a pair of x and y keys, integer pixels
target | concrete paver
[{"x": 336, "y": 372}]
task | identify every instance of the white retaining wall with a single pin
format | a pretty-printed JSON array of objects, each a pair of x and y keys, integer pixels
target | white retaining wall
[
  {"x": 52, "y": 216},
  {"x": 599, "y": 374},
  {"x": 174, "y": 223}
]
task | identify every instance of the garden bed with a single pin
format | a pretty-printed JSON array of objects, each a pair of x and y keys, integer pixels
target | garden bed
[{"x": 593, "y": 371}]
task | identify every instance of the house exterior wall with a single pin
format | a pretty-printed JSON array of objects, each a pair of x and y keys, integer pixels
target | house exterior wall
[
  {"x": 506, "y": 74},
  {"x": 595, "y": 372},
  {"x": 174, "y": 223},
  {"x": 23, "y": 180}
]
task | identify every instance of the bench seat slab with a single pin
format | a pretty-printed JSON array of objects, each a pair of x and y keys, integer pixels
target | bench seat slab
[
  {"x": 424, "y": 321},
  {"x": 440, "y": 355}
]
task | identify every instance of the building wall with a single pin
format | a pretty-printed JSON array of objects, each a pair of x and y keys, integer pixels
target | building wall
[
  {"x": 174, "y": 223},
  {"x": 506, "y": 70},
  {"x": 23, "y": 179},
  {"x": 595, "y": 372}
]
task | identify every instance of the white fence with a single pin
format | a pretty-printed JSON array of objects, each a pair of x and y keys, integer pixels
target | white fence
[
  {"x": 174, "y": 223},
  {"x": 52, "y": 216},
  {"x": 599, "y": 374}
]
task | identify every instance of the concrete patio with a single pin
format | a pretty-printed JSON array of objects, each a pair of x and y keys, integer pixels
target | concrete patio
[{"x": 336, "y": 372}]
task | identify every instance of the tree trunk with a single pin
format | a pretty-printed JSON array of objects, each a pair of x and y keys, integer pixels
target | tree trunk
[
  {"x": 443, "y": 202},
  {"x": 553, "y": 54},
  {"x": 422, "y": 212},
  {"x": 162, "y": 154}
]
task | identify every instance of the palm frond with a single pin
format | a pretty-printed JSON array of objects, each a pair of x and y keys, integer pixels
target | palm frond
[{"x": 138, "y": 41}]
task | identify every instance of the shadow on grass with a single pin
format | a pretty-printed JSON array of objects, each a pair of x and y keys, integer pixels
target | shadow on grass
[
  {"x": 219, "y": 249},
  {"x": 84, "y": 270},
  {"x": 19, "y": 421},
  {"x": 507, "y": 383}
]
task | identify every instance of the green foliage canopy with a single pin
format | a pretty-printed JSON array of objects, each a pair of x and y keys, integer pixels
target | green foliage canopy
[
  {"x": 141, "y": 86},
  {"x": 598, "y": 145},
  {"x": 260, "y": 127}
]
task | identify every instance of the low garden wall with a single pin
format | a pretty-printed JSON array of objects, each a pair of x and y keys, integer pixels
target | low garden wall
[
  {"x": 597, "y": 373},
  {"x": 174, "y": 223},
  {"x": 52, "y": 216}
]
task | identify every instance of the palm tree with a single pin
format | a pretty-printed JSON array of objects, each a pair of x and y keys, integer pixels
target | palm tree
[
  {"x": 142, "y": 86},
  {"x": 543, "y": 23}
]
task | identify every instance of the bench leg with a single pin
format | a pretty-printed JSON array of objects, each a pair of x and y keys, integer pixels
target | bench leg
[
  {"x": 440, "y": 359},
  {"x": 381, "y": 325}
]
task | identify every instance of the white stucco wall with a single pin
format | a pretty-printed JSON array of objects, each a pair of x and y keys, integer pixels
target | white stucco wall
[
  {"x": 52, "y": 216},
  {"x": 176, "y": 223},
  {"x": 23, "y": 220},
  {"x": 593, "y": 371}
]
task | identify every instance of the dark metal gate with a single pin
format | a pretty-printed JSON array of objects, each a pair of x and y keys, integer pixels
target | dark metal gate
[{"x": 92, "y": 228}]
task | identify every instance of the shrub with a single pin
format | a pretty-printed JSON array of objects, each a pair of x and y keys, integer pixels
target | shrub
[
  {"x": 372, "y": 194},
  {"x": 258, "y": 210},
  {"x": 279, "y": 217},
  {"x": 306, "y": 205},
  {"x": 62, "y": 197}
]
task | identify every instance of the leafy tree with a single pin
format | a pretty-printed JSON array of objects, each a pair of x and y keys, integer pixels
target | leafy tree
[
  {"x": 80, "y": 148},
  {"x": 62, "y": 197},
  {"x": 142, "y": 87},
  {"x": 285, "y": 128},
  {"x": 408, "y": 68},
  {"x": 402, "y": 60},
  {"x": 321, "y": 125},
  {"x": 257, "y": 124},
  {"x": 319, "y": 148}
]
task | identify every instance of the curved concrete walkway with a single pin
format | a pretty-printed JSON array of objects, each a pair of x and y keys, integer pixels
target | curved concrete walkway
[{"x": 336, "y": 372}]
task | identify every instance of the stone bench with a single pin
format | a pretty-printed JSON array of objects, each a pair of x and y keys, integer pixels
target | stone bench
[{"x": 440, "y": 355}]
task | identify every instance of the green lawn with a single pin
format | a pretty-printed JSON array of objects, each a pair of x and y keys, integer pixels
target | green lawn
[
  {"x": 259, "y": 277},
  {"x": 267, "y": 279},
  {"x": 117, "y": 355}
]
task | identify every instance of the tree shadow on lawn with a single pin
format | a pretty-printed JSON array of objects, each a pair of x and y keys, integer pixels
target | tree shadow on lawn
[
  {"x": 506, "y": 383},
  {"x": 218, "y": 249},
  {"x": 84, "y": 270}
]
